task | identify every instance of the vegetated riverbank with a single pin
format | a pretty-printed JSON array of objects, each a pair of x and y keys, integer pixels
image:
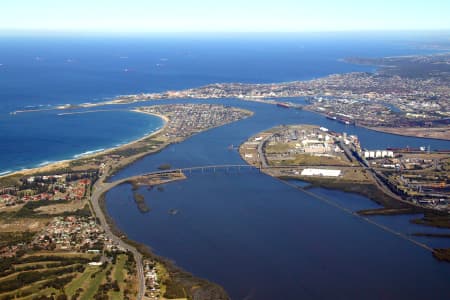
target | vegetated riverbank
[
  {"x": 366, "y": 189},
  {"x": 177, "y": 282},
  {"x": 390, "y": 207}
]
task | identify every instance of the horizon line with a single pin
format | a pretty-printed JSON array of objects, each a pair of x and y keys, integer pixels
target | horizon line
[{"x": 134, "y": 32}]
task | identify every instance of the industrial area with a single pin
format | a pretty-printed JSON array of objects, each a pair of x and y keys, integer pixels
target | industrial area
[{"x": 313, "y": 153}]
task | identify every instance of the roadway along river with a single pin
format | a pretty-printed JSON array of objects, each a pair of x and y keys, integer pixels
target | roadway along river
[{"x": 261, "y": 239}]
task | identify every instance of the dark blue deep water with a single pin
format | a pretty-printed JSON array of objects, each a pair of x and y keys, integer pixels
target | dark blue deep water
[{"x": 257, "y": 237}]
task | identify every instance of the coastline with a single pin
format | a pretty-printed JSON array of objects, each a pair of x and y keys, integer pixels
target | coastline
[
  {"x": 106, "y": 163},
  {"x": 65, "y": 163}
]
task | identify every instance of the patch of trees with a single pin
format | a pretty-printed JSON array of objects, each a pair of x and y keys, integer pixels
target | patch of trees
[
  {"x": 59, "y": 283},
  {"x": 13, "y": 238},
  {"x": 140, "y": 202},
  {"x": 173, "y": 291},
  {"x": 28, "y": 209},
  {"x": 29, "y": 277},
  {"x": 84, "y": 175}
]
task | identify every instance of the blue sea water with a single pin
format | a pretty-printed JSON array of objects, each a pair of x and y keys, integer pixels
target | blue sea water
[{"x": 33, "y": 139}]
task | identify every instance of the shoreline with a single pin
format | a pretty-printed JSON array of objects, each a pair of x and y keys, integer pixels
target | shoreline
[
  {"x": 125, "y": 155},
  {"x": 65, "y": 162},
  {"x": 387, "y": 129},
  {"x": 264, "y": 100},
  {"x": 176, "y": 273},
  {"x": 398, "y": 131}
]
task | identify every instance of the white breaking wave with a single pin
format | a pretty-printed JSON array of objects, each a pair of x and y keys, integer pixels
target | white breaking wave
[
  {"x": 87, "y": 153},
  {"x": 45, "y": 163},
  {"x": 5, "y": 172}
]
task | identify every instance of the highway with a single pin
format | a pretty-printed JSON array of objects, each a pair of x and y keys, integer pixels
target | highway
[{"x": 262, "y": 155}]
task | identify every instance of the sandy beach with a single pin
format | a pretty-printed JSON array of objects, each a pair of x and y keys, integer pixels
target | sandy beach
[{"x": 66, "y": 163}]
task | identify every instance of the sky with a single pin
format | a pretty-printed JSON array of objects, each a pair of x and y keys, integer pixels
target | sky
[{"x": 223, "y": 15}]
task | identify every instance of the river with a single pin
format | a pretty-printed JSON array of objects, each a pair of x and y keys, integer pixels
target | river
[{"x": 261, "y": 239}]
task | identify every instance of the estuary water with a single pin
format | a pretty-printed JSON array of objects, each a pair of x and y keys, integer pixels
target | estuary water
[{"x": 262, "y": 239}]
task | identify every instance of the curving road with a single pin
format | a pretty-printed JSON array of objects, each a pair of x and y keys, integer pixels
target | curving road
[{"x": 101, "y": 187}]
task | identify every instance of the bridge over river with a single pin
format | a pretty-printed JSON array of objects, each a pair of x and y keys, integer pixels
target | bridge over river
[{"x": 101, "y": 187}]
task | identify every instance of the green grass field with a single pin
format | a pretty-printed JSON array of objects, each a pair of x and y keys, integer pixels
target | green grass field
[
  {"x": 44, "y": 274},
  {"x": 119, "y": 274},
  {"x": 91, "y": 285},
  {"x": 80, "y": 280}
]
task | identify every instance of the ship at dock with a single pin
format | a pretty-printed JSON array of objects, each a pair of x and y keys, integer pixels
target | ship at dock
[{"x": 343, "y": 120}]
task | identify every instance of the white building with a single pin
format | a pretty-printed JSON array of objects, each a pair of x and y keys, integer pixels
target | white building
[{"x": 321, "y": 172}]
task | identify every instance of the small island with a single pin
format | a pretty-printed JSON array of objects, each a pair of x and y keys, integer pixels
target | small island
[{"x": 151, "y": 181}]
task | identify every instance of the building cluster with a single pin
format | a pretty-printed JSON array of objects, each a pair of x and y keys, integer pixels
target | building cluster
[
  {"x": 303, "y": 140},
  {"x": 187, "y": 119},
  {"x": 57, "y": 187},
  {"x": 419, "y": 177},
  {"x": 363, "y": 98},
  {"x": 72, "y": 233},
  {"x": 300, "y": 150},
  {"x": 152, "y": 286},
  {"x": 392, "y": 98}
]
